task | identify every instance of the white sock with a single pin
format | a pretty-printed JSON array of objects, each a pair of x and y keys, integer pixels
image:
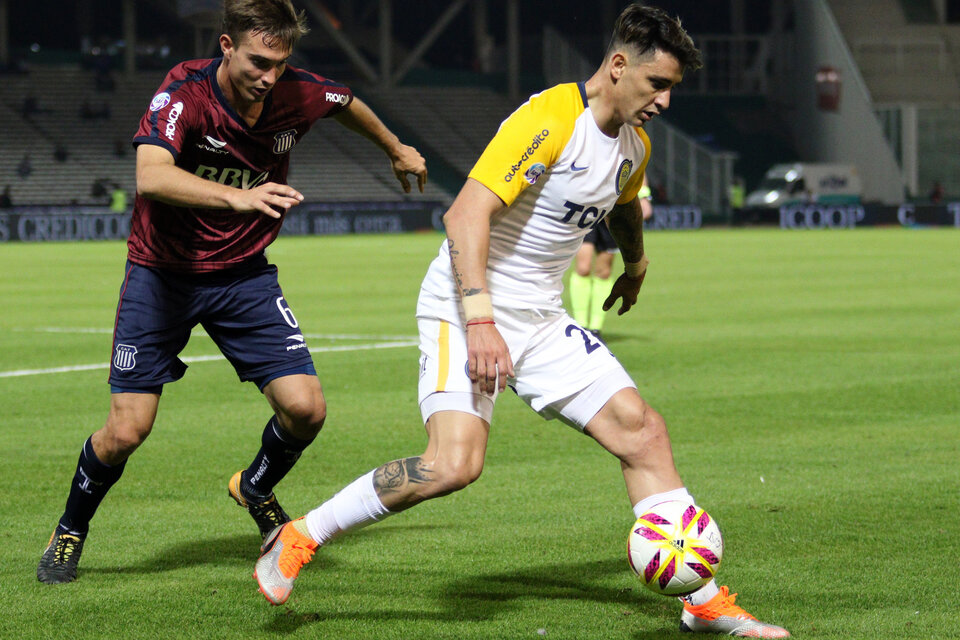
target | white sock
[
  {"x": 355, "y": 506},
  {"x": 675, "y": 494},
  {"x": 703, "y": 594}
]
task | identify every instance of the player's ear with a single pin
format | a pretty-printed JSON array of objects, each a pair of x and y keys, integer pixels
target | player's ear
[
  {"x": 618, "y": 65},
  {"x": 226, "y": 45}
]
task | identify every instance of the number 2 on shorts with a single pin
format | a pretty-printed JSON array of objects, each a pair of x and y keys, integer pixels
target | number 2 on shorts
[{"x": 588, "y": 344}]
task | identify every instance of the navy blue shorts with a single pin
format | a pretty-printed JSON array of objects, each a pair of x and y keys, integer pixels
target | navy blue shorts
[
  {"x": 601, "y": 238},
  {"x": 242, "y": 309}
]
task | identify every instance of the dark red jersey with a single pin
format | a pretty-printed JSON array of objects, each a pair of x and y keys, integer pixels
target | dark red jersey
[{"x": 190, "y": 117}]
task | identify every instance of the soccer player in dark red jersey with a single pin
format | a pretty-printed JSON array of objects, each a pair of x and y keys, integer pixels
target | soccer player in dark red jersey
[{"x": 212, "y": 156}]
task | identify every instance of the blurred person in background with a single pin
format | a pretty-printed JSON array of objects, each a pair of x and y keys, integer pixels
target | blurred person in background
[{"x": 590, "y": 281}]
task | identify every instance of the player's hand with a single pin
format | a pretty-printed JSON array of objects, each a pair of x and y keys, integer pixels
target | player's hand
[
  {"x": 408, "y": 160},
  {"x": 488, "y": 358},
  {"x": 625, "y": 288},
  {"x": 270, "y": 199}
]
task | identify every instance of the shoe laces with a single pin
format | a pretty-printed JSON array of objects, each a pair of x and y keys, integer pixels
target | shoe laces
[
  {"x": 297, "y": 552},
  {"x": 270, "y": 509},
  {"x": 66, "y": 546},
  {"x": 723, "y": 604}
]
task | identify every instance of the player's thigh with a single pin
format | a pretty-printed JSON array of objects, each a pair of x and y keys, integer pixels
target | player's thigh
[
  {"x": 155, "y": 314},
  {"x": 457, "y": 443},
  {"x": 444, "y": 383},
  {"x": 584, "y": 258},
  {"x": 568, "y": 373},
  {"x": 603, "y": 266},
  {"x": 252, "y": 324}
]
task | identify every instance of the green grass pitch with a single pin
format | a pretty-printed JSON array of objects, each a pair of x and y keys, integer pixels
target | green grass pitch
[{"x": 810, "y": 381}]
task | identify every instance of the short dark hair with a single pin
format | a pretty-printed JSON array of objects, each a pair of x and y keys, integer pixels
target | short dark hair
[
  {"x": 276, "y": 20},
  {"x": 647, "y": 29}
]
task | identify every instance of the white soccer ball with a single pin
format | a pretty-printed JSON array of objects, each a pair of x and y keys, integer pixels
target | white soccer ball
[{"x": 675, "y": 548}]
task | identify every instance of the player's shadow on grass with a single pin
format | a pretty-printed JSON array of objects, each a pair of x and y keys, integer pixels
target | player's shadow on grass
[
  {"x": 487, "y": 597},
  {"x": 227, "y": 551},
  {"x": 480, "y": 597}
]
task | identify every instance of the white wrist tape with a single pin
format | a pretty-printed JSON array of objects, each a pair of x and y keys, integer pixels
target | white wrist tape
[
  {"x": 636, "y": 269},
  {"x": 477, "y": 306}
]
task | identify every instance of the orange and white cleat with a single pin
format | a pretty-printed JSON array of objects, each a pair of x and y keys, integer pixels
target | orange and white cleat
[
  {"x": 721, "y": 615},
  {"x": 283, "y": 554}
]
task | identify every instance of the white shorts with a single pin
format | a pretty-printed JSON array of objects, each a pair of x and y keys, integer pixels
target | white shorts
[{"x": 562, "y": 371}]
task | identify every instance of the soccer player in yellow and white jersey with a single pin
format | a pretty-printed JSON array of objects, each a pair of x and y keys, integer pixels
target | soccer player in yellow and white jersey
[{"x": 490, "y": 313}]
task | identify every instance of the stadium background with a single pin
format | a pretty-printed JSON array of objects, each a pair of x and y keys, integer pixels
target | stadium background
[
  {"x": 444, "y": 74},
  {"x": 810, "y": 379}
]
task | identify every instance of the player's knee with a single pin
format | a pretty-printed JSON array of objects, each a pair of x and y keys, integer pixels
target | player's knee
[
  {"x": 456, "y": 472},
  {"x": 644, "y": 436},
  {"x": 119, "y": 438},
  {"x": 603, "y": 271},
  {"x": 304, "y": 417}
]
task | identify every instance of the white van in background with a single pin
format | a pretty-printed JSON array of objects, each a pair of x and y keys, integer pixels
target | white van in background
[{"x": 804, "y": 182}]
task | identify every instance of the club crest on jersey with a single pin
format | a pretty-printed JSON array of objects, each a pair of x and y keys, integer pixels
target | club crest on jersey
[
  {"x": 623, "y": 174},
  {"x": 159, "y": 101},
  {"x": 124, "y": 359},
  {"x": 533, "y": 173},
  {"x": 284, "y": 141}
]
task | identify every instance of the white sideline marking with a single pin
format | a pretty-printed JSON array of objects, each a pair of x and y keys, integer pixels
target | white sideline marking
[
  {"x": 192, "y": 359},
  {"x": 201, "y": 332}
]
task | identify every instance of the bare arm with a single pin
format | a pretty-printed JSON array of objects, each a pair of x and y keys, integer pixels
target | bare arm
[
  {"x": 626, "y": 225},
  {"x": 158, "y": 178},
  {"x": 468, "y": 239},
  {"x": 404, "y": 159}
]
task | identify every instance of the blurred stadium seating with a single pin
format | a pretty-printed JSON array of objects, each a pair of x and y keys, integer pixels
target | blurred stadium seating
[{"x": 906, "y": 55}]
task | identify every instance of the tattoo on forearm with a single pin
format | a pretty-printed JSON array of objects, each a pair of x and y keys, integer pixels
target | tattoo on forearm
[
  {"x": 394, "y": 476},
  {"x": 453, "y": 264},
  {"x": 626, "y": 226},
  {"x": 456, "y": 272}
]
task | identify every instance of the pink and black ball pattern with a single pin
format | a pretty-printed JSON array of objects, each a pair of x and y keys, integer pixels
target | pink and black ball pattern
[{"x": 675, "y": 548}]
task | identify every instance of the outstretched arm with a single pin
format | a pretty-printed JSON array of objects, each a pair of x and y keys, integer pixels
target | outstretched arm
[
  {"x": 468, "y": 238},
  {"x": 626, "y": 225},
  {"x": 158, "y": 178},
  {"x": 404, "y": 159}
]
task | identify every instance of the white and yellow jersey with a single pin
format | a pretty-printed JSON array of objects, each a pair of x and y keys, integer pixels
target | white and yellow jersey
[{"x": 559, "y": 175}]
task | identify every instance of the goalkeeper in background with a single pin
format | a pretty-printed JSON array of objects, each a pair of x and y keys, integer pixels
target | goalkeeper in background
[{"x": 590, "y": 282}]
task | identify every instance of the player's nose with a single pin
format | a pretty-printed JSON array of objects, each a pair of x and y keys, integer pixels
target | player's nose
[{"x": 663, "y": 100}]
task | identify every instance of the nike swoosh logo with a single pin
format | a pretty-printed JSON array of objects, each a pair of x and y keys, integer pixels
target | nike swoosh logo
[
  {"x": 219, "y": 144},
  {"x": 574, "y": 167}
]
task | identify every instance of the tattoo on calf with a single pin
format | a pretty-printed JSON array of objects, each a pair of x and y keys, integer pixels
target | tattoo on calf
[{"x": 393, "y": 476}]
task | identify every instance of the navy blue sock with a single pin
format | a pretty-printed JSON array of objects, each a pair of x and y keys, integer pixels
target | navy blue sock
[
  {"x": 279, "y": 451},
  {"x": 90, "y": 484}
]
